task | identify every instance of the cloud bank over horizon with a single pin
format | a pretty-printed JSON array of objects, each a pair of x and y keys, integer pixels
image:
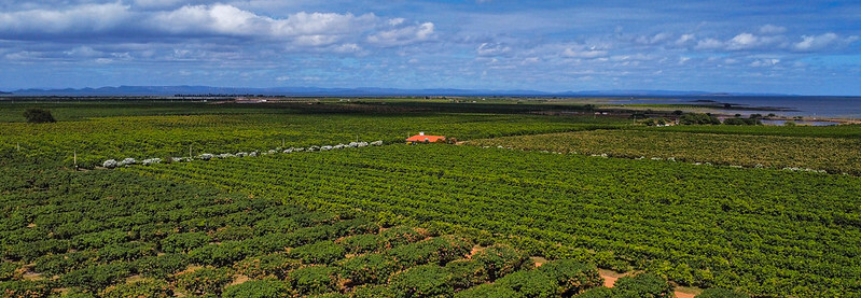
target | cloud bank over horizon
[{"x": 764, "y": 46}]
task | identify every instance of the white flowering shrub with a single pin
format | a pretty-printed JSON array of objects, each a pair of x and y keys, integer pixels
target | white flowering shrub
[
  {"x": 362, "y": 144},
  {"x": 110, "y": 164},
  {"x": 300, "y": 149},
  {"x": 271, "y": 152},
  {"x": 177, "y": 159},
  {"x": 151, "y": 161},
  {"x": 205, "y": 156},
  {"x": 339, "y": 146},
  {"x": 326, "y": 148},
  {"x": 253, "y": 154},
  {"x": 288, "y": 150},
  {"x": 241, "y": 154},
  {"x": 352, "y": 145},
  {"x": 127, "y": 161}
]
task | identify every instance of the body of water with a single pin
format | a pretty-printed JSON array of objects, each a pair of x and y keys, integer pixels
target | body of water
[{"x": 806, "y": 106}]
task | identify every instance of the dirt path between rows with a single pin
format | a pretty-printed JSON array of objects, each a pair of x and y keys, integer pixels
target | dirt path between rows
[{"x": 610, "y": 278}]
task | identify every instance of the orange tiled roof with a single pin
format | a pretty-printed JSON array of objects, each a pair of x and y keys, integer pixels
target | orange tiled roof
[{"x": 421, "y": 138}]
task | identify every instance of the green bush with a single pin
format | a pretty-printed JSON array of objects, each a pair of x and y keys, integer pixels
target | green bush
[
  {"x": 323, "y": 252},
  {"x": 204, "y": 281},
  {"x": 372, "y": 291},
  {"x": 276, "y": 265},
  {"x": 501, "y": 260},
  {"x": 422, "y": 281},
  {"x": 232, "y": 233},
  {"x": 184, "y": 242},
  {"x": 402, "y": 235},
  {"x": 644, "y": 285},
  {"x": 533, "y": 284},
  {"x": 363, "y": 243},
  {"x": 372, "y": 268},
  {"x": 467, "y": 273},
  {"x": 39, "y": 116},
  {"x": 7, "y": 270},
  {"x": 267, "y": 288},
  {"x": 698, "y": 119},
  {"x": 439, "y": 250},
  {"x": 26, "y": 289},
  {"x": 314, "y": 280},
  {"x": 489, "y": 291},
  {"x": 149, "y": 288},
  {"x": 160, "y": 266},
  {"x": 721, "y": 293},
  {"x": 94, "y": 278},
  {"x": 599, "y": 292},
  {"x": 572, "y": 276}
]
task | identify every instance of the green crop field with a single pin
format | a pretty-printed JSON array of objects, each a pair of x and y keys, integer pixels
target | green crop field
[{"x": 435, "y": 220}]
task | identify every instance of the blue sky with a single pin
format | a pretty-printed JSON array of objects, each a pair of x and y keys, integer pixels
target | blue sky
[{"x": 792, "y": 47}]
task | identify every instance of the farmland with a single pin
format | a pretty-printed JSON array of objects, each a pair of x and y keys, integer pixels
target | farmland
[{"x": 471, "y": 220}]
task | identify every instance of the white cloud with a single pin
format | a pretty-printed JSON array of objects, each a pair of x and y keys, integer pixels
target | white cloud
[
  {"x": 743, "y": 41},
  {"x": 492, "y": 49},
  {"x": 684, "y": 39},
  {"x": 83, "y": 52},
  {"x": 584, "y": 52},
  {"x": 816, "y": 42},
  {"x": 765, "y": 62},
  {"x": 709, "y": 44},
  {"x": 404, "y": 35},
  {"x": 772, "y": 29},
  {"x": 84, "y": 18}
]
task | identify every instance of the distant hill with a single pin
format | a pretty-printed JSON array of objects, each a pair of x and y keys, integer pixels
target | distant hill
[{"x": 345, "y": 92}]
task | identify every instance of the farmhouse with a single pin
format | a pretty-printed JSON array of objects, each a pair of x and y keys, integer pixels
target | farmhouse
[{"x": 422, "y": 138}]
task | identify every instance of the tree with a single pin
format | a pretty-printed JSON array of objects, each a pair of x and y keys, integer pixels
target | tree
[{"x": 39, "y": 116}]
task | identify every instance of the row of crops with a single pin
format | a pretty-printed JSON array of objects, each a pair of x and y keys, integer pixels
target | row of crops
[
  {"x": 118, "y": 234},
  {"x": 773, "y": 233},
  {"x": 717, "y": 146}
]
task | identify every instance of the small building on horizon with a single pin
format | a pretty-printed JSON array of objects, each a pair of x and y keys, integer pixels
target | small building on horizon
[{"x": 422, "y": 138}]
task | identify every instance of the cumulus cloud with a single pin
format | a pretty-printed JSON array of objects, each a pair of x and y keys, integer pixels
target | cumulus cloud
[
  {"x": 84, "y": 18},
  {"x": 584, "y": 52},
  {"x": 824, "y": 41},
  {"x": 403, "y": 35}
]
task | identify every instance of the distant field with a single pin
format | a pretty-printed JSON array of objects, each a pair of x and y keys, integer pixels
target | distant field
[
  {"x": 834, "y": 149},
  {"x": 98, "y": 139}
]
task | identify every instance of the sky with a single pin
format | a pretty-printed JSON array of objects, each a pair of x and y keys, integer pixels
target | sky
[{"x": 790, "y": 47}]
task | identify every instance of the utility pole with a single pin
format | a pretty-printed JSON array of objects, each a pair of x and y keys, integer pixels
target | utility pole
[{"x": 75, "y": 158}]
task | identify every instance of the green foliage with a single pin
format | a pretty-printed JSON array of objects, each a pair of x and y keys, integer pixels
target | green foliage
[
  {"x": 149, "y": 288},
  {"x": 204, "y": 281},
  {"x": 39, "y": 116},
  {"x": 489, "y": 291},
  {"x": 400, "y": 235},
  {"x": 323, "y": 252},
  {"x": 267, "y": 288},
  {"x": 363, "y": 243},
  {"x": 698, "y": 119},
  {"x": 7, "y": 270},
  {"x": 643, "y": 285},
  {"x": 467, "y": 273},
  {"x": 422, "y": 281},
  {"x": 533, "y": 284},
  {"x": 184, "y": 242},
  {"x": 314, "y": 280},
  {"x": 742, "y": 121},
  {"x": 599, "y": 292},
  {"x": 501, "y": 260},
  {"x": 160, "y": 266},
  {"x": 276, "y": 265},
  {"x": 371, "y": 268},
  {"x": 372, "y": 291},
  {"x": 96, "y": 277},
  {"x": 721, "y": 293},
  {"x": 25, "y": 289},
  {"x": 439, "y": 250},
  {"x": 572, "y": 276},
  {"x": 233, "y": 233}
]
